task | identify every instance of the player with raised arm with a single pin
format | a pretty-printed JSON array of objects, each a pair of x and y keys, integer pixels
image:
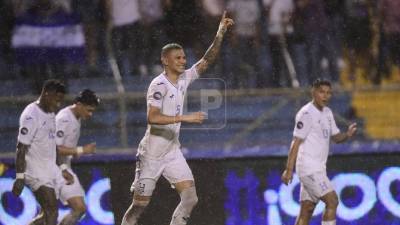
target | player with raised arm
[
  {"x": 36, "y": 161},
  {"x": 159, "y": 151},
  {"x": 315, "y": 127},
  {"x": 68, "y": 126}
]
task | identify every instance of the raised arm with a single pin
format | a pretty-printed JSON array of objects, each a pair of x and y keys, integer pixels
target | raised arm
[
  {"x": 213, "y": 51},
  {"x": 20, "y": 165},
  {"x": 287, "y": 175}
]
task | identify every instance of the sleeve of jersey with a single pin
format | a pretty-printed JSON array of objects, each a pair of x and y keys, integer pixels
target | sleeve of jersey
[
  {"x": 191, "y": 75},
  {"x": 303, "y": 125},
  {"x": 27, "y": 129},
  {"x": 61, "y": 130},
  {"x": 334, "y": 129},
  {"x": 156, "y": 94}
]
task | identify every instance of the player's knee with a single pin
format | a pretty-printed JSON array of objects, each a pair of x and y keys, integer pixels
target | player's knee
[
  {"x": 52, "y": 214},
  {"x": 80, "y": 209},
  {"x": 332, "y": 202},
  {"x": 50, "y": 208},
  {"x": 189, "y": 197},
  {"x": 307, "y": 208},
  {"x": 193, "y": 200},
  {"x": 140, "y": 203},
  {"x": 144, "y": 187}
]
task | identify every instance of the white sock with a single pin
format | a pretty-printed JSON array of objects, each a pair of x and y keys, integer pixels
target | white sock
[
  {"x": 71, "y": 218},
  {"x": 331, "y": 222},
  {"x": 184, "y": 209},
  {"x": 133, "y": 213}
]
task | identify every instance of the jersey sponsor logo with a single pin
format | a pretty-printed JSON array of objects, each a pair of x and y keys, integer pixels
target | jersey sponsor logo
[
  {"x": 24, "y": 130},
  {"x": 28, "y": 118},
  {"x": 157, "y": 95},
  {"x": 299, "y": 125},
  {"x": 160, "y": 83},
  {"x": 60, "y": 133}
]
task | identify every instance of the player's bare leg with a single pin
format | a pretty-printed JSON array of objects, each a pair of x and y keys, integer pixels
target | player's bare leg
[
  {"x": 48, "y": 202},
  {"x": 139, "y": 204},
  {"x": 331, "y": 202},
  {"x": 306, "y": 211},
  {"x": 38, "y": 220},
  {"x": 187, "y": 191},
  {"x": 78, "y": 210}
]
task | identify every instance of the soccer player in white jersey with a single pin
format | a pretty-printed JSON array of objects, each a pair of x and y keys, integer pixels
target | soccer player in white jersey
[
  {"x": 36, "y": 164},
  {"x": 68, "y": 125},
  {"x": 159, "y": 151},
  {"x": 315, "y": 126}
]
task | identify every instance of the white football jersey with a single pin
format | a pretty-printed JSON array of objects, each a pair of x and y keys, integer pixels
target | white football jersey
[
  {"x": 169, "y": 97},
  {"x": 68, "y": 130},
  {"x": 37, "y": 130},
  {"x": 315, "y": 127}
]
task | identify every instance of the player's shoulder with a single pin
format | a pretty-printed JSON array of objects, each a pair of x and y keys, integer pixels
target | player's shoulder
[
  {"x": 306, "y": 112},
  {"x": 63, "y": 113},
  {"x": 159, "y": 84},
  {"x": 192, "y": 71},
  {"x": 31, "y": 114},
  {"x": 31, "y": 110},
  {"x": 306, "y": 109},
  {"x": 158, "y": 80},
  {"x": 327, "y": 109}
]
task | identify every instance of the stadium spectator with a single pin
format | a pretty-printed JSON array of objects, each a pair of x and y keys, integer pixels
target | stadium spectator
[
  {"x": 316, "y": 29},
  {"x": 6, "y": 23},
  {"x": 184, "y": 25},
  {"x": 154, "y": 36},
  {"x": 358, "y": 37},
  {"x": 94, "y": 20},
  {"x": 126, "y": 35},
  {"x": 280, "y": 30},
  {"x": 245, "y": 42},
  {"x": 48, "y": 41},
  {"x": 389, "y": 17}
]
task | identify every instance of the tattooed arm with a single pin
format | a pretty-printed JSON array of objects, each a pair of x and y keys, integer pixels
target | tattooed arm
[{"x": 212, "y": 52}]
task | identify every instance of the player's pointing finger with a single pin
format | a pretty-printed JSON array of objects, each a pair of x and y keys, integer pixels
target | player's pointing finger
[{"x": 224, "y": 15}]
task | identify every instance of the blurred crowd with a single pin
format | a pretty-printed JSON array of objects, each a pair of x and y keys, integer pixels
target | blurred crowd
[{"x": 274, "y": 43}]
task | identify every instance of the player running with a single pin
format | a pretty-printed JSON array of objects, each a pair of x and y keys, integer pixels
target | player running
[
  {"x": 68, "y": 126},
  {"x": 315, "y": 126},
  {"x": 36, "y": 164},
  {"x": 159, "y": 151}
]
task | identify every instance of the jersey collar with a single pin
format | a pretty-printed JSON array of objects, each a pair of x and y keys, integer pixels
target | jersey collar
[{"x": 165, "y": 76}]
